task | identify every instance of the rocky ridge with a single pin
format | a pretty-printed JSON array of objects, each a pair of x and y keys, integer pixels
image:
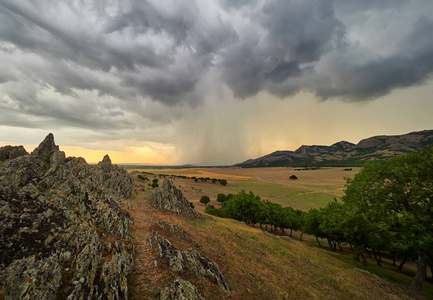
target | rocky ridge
[
  {"x": 63, "y": 230},
  {"x": 345, "y": 153}
]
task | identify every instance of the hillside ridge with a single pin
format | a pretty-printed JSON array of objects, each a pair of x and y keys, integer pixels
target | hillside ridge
[{"x": 345, "y": 153}]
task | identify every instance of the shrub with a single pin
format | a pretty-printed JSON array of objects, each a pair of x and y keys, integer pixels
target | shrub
[
  {"x": 205, "y": 200},
  {"x": 293, "y": 177},
  {"x": 141, "y": 177},
  {"x": 221, "y": 198}
]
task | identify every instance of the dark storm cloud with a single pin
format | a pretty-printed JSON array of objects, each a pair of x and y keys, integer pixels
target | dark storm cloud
[
  {"x": 295, "y": 33},
  {"x": 126, "y": 52},
  {"x": 410, "y": 64}
]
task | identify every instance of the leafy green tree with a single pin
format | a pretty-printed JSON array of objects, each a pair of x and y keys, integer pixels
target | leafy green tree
[
  {"x": 221, "y": 198},
  {"x": 205, "y": 200},
  {"x": 214, "y": 180},
  {"x": 223, "y": 181},
  {"x": 394, "y": 198},
  {"x": 312, "y": 221}
]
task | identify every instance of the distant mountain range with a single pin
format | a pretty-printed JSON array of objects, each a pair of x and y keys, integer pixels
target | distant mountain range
[{"x": 345, "y": 153}]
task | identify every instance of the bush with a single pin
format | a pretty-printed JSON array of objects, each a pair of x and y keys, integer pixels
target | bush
[
  {"x": 154, "y": 185},
  {"x": 205, "y": 200},
  {"x": 221, "y": 198},
  {"x": 223, "y": 181},
  {"x": 155, "y": 180},
  {"x": 293, "y": 177},
  {"x": 141, "y": 177},
  {"x": 191, "y": 204}
]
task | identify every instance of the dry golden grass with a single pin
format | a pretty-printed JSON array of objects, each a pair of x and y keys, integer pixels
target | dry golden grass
[
  {"x": 313, "y": 189},
  {"x": 257, "y": 265}
]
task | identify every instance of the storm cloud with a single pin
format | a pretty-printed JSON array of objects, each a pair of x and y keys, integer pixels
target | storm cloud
[{"x": 134, "y": 64}]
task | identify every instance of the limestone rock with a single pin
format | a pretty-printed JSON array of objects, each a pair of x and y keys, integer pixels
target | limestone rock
[
  {"x": 181, "y": 290},
  {"x": 188, "y": 260},
  {"x": 170, "y": 198},
  {"x": 10, "y": 152},
  {"x": 168, "y": 225},
  {"x": 63, "y": 230}
]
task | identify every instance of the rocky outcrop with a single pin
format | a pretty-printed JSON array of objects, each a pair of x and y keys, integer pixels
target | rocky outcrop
[
  {"x": 10, "y": 152},
  {"x": 188, "y": 260},
  {"x": 63, "y": 230},
  {"x": 180, "y": 290},
  {"x": 170, "y": 198}
]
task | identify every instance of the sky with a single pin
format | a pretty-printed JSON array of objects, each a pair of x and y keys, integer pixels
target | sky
[{"x": 211, "y": 82}]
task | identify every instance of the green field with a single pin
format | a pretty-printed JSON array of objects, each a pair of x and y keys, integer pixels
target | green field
[{"x": 312, "y": 189}]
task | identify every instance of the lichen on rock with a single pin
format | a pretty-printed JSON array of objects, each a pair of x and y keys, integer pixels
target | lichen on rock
[
  {"x": 180, "y": 290},
  {"x": 169, "y": 197},
  {"x": 189, "y": 260},
  {"x": 63, "y": 230}
]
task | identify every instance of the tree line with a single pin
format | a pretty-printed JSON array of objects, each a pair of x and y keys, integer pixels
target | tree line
[{"x": 386, "y": 209}]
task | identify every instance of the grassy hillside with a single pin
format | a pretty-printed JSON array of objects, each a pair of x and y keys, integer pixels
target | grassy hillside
[{"x": 257, "y": 264}]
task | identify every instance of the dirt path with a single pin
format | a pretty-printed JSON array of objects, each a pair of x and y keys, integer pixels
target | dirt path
[{"x": 146, "y": 276}]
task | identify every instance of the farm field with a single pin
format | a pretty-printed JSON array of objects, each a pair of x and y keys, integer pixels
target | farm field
[{"x": 312, "y": 189}]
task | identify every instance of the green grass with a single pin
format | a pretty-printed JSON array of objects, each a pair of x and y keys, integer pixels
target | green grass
[
  {"x": 302, "y": 198},
  {"x": 386, "y": 271}
]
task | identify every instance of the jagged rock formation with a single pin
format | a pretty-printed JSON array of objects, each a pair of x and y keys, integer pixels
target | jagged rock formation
[
  {"x": 344, "y": 153},
  {"x": 168, "y": 225},
  {"x": 170, "y": 198},
  {"x": 10, "y": 152},
  {"x": 187, "y": 260},
  {"x": 63, "y": 230},
  {"x": 181, "y": 290}
]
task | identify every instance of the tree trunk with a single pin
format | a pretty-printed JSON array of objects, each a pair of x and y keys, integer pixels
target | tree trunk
[
  {"x": 303, "y": 234},
  {"x": 329, "y": 244},
  {"x": 291, "y": 231},
  {"x": 282, "y": 231},
  {"x": 261, "y": 227},
  {"x": 393, "y": 260},
  {"x": 421, "y": 272},
  {"x": 351, "y": 247},
  {"x": 339, "y": 245},
  {"x": 318, "y": 242},
  {"x": 376, "y": 257},
  {"x": 360, "y": 253},
  {"x": 368, "y": 252},
  {"x": 400, "y": 267},
  {"x": 431, "y": 269}
]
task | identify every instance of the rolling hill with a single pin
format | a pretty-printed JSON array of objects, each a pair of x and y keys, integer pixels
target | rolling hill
[{"x": 344, "y": 153}]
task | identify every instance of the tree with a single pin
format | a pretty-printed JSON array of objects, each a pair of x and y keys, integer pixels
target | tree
[
  {"x": 221, "y": 198},
  {"x": 205, "y": 200},
  {"x": 214, "y": 180},
  {"x": 223, "y": 181},
  {"x": 394, "y": 198}
]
